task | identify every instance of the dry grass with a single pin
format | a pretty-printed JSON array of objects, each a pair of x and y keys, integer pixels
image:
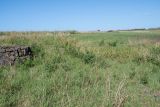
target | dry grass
[{"x": 59, "y": 77}]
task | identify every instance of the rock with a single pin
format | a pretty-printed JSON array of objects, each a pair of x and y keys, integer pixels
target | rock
[
  {"x": 9, "y": 55},
  {"x": 2, "y": 50}
]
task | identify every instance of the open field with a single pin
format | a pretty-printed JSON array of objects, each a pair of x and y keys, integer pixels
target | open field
[{"x": 109, "y": 69}]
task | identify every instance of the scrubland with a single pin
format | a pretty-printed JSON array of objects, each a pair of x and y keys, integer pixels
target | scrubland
[{"x": 72, "y": 69}]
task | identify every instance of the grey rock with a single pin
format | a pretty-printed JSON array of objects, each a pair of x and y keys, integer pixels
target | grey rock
[
  {"x": 9, "y": 55},
  {"x": 2, "y": 50}
]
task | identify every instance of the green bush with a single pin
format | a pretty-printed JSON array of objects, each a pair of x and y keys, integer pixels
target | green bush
[
  {"x": 144, "y": 79},
  {"x": 89, "y": 57}
]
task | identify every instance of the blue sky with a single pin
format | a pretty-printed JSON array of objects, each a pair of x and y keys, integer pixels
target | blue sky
[{"x": 82, "y": 15}]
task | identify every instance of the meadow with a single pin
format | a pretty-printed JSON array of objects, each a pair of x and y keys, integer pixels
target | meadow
[{"x": 89, "y": 69}]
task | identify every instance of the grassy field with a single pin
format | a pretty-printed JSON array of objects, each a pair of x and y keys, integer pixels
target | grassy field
[{"x": 105, "y": 69}]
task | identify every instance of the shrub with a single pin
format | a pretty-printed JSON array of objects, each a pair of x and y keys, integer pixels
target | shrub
[
  {"x": 89, "y": 57},
  {"x": 144, "y": 79}
]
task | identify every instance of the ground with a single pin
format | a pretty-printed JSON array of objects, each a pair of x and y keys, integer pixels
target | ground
[{"x": 104, "y": 69}]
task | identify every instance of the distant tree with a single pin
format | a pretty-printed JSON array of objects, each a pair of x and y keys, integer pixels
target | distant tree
[
  {"x": 73, "y": 32},
  {"x": 110, "y": 30},
  {"x": 158, "y": 28}
]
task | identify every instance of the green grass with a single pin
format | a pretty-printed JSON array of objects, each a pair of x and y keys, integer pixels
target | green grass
[{"x": 114, "y": 69}]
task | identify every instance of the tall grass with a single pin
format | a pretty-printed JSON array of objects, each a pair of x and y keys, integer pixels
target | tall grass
[{"x": 83, "y": 70}]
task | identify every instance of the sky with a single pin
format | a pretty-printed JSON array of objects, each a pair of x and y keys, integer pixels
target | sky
[{"x": 80, "y": 15}]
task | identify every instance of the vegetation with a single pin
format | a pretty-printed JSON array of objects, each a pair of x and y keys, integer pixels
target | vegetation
[{"x": 112, "y": 69}]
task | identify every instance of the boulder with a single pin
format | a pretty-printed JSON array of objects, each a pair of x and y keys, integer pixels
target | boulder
[{"x": 9, "y": 55}]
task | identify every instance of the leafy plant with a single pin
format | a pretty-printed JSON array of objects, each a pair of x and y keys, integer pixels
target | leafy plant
[
  {"x": 89, "y": 57},
  {"x": 144, "y": 79}
]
